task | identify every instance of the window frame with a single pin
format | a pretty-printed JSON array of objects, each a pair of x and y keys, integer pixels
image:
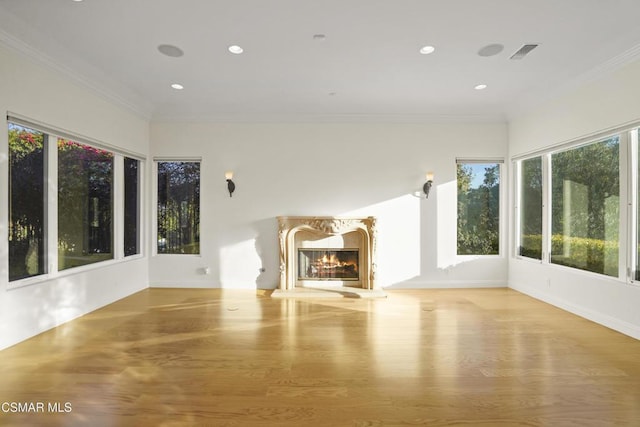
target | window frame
[
  {"x": 633, "y": 204},
  {"x": 85, "y": 227},
  {"x": 629, "y": 203},
  {"x": 621, "y": 143},
  {"x": 51, "y": 201},
  {"x": 139, "y": 207},
  {"x": 502, "y": 173},
  {"x": 154, "y": 204},
  {"x": 518, "y": 197},
  {"x": 43, "y": 235}
]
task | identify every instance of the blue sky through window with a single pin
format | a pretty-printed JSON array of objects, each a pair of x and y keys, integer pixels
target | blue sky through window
[{"x": 478, "y": 173}]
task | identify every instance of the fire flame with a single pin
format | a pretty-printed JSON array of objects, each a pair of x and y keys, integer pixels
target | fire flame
[{"x": 331, "y": 261}]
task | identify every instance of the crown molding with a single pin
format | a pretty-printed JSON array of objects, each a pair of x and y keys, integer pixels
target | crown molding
[
  {"x": 138, "y": 107},
  {"x": 594, "y": 74},
  {"x": 607, "y": 67},
  {"x": 329, "y": 118},
  {"x": 144, "y": 110}
]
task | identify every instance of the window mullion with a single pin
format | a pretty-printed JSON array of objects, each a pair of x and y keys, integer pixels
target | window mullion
[
  {"x": 51, "y": 203},
  {"x": 624, "y": 241},
  {"x": 502, "y": 231},
  {"x": 118, "y": 206},
  {"x": 517, "y": 197},
  {"x": 142, "y": 221},
  {"x": 546, "y": 208},
  {"x": 632, "y": 206},
  {"x": 154, "y": 210}
]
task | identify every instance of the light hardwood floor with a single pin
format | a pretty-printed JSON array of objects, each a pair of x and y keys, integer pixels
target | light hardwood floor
[{"x": 168, "y": 357}]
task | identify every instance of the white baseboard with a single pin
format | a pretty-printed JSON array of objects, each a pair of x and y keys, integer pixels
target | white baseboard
[
  {"x": 198, "y": 285},
  {"x": 440, "y": 284},
  {"x": 448, "y": 284},
  {"x": 595, "y": 316},
  {"x": 201, "y": 285}
]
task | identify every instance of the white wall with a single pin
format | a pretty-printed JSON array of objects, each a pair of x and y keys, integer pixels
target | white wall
[
  {"x": 328, "y": 169},
  {"x": 607, "y": 103},
  {"x": 29, "y": 89}
]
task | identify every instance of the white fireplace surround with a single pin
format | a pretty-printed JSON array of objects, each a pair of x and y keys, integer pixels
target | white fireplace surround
[{"x": 360, "y": 231}]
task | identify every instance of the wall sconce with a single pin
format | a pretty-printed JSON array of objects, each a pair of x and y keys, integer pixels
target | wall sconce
[
  {"x": 427, "y": 185},
  {"x": 230, "y": 185}
]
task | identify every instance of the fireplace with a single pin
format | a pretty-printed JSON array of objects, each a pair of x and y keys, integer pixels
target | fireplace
[
  {"x": 327, "y": 251},
  {"x": 328, "y": 264}
]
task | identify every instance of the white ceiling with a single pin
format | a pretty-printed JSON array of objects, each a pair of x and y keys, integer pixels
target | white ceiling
[{"x": 367, "y": 67}]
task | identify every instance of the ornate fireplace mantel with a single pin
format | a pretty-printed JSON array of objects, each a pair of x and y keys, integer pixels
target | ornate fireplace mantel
[{"x": 322, "y": 226}]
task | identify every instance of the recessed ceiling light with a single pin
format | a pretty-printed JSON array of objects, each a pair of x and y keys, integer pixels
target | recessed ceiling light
[
  {"x": 170, "y": 50},
  {"x": 426, "y": 50},
  {"x": 177, "y": 86},
  {"x": 77, "y": 1},
  {"x": 480, "y": 87},
  {"x": 235, "y": 49}
]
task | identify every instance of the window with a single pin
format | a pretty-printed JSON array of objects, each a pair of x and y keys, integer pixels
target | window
[
  {"x": 478, "y": 208},
  {"x": 178, "y": 208},
  {"x": 131, "y": 207},
  {"x": 43, "y": 161},
  {"x": 27, "y": 222},
  {"x": 585, "y": 207},
  {"x": 85, "y": 204},
  {"x": 530, "y": 208}
]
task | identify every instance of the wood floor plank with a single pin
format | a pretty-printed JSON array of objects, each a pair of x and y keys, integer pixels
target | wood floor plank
[{"x": 464, "y": 357}]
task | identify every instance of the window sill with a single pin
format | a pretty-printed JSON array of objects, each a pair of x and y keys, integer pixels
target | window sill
[
  {"x": 180, "y": 255},
  {"x": 527, "y": 259},
  {"x": 48, "y": 277},
  {"x": 474, "y": 257}
]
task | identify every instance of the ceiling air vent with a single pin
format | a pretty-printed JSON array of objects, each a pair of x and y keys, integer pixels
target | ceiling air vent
[{"x": 523, "y": 51}]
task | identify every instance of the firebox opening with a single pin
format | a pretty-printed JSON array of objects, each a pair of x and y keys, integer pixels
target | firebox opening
[{"x": 328, "y": 264}]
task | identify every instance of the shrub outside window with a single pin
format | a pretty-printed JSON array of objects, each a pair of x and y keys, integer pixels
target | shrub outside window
[
  {"x": 585, "y": 207},
  {"x": 27, "y": 222},
  {"x": 178, "y": 207},
  {"x": 85, "y": 204},
  {"x": 131, "y": 207},
  {"x": 531, "y": 208},
  {"x": 49, "y": 232}
]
